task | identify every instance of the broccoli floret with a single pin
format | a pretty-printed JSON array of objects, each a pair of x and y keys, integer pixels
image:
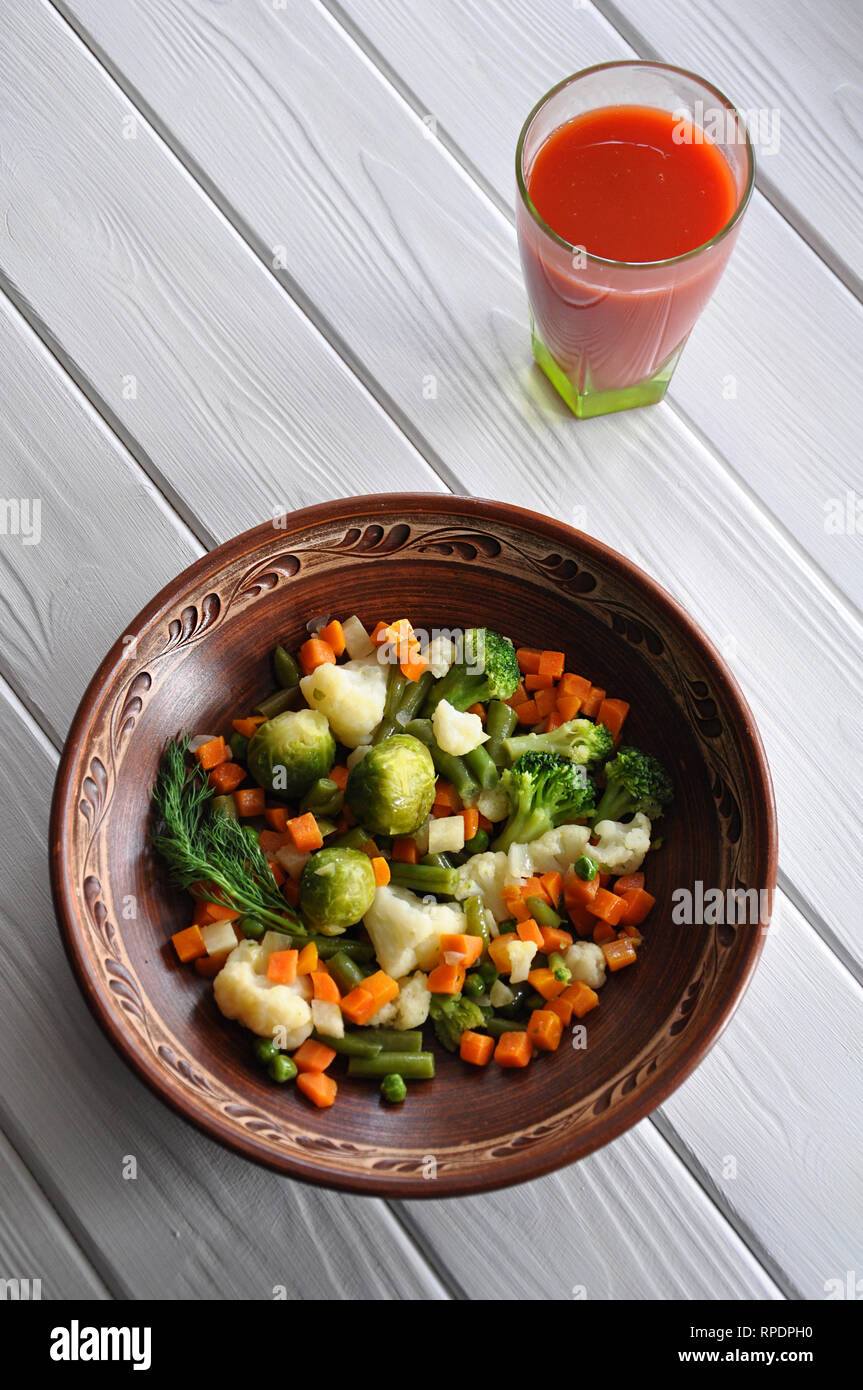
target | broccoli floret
[
  {"x": 452, "y": 1015},
  {"x": 488, "y": 670},
  {"x": 578, "y": 739},
  {"x": 634, "y": 781},
  {"x": 544, "y": 791}
]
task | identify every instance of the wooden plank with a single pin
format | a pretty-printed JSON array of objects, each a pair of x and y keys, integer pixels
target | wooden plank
[
  {"x": 790, "y": 58},
  {"x": 773, "y": 1119},
  {"x": 209, "y": 372},
  {"x": 769, "y": 374},
  {"x": 196, "y": 1222},
  {"x": 34, "y": 1243},
  {"x": 561, "y": 1238},
  {"x": 418, "y": 276}
]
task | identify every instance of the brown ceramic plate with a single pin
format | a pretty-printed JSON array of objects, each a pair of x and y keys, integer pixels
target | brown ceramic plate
[{"x": 202, "y": 652}]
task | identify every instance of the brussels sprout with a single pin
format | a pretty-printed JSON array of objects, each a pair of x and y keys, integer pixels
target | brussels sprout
[
  {"x": 290, "y": 752},
  {"x": 336, "y": 888},
  {"x": 391, "y": 791}
]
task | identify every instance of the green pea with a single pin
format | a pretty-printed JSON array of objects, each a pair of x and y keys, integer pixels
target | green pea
[
  {"x": 488, "y": 972},
  {"x": 265, "y": 1050},
  {"x": 474, "y": 986},
  {"x": 252, "y": 928},
  {"x": 586, "y": 868},
  {"x": 479, "y": 844},
  {"x": 282, "y": 1069},
  {"x": 393, "y": 1088}
]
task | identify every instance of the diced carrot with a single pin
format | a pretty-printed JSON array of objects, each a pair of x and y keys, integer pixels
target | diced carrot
[
  {"x": 277, "y": 818},
  {"x": 579, "y": 891},
  {"x": 334, "y": 634},
  {"x": 607, "y": 905},
  {"x": 339, "y": 775},
  {"x": 413, "y": 663},
  {"x": 628, "y": 881},
  {"x": 291, "y": 891},
  {"x": 528, "y": 660},
  {"x": 602, "y": 932},
  {"x": 271, "y": 840},
  {"x": 604, "y": 880},
  {"x": 545, "y": 701},
  {"x": 305, "y": 833},
  {"x": 308, "y": 959},
  {"x": 189, "y": 943},
  {"x": 226, "y": 777},
  {"x": 248, "y": 727},
  {"x": 250, "y": 801},
  {"x": 551, "y": 664},
  {"x": 568, "y": 706},
  {"x": 359, "y": 1005},
  {"x": 379, "y": 634},
  {"x": 581, "y": 919},
  {"x": 612, "y": 714},
  {"x": 513, "y": 1050},
  {"x": 317, "y": 1087},
  {"x": 638, "y": 905},
  {"x": 544, "y": 1028},
  {"x": 574, "y": 685},
  {"x": 315, "y": 652},
  {"x": 476, "y": 1048},
  {"x": 479, "y": 710},
  {"x": 619, "y": 953},
  {"x": 382, "y": 987},
  {"x": 553, "y": 721},
  {"x": 214, "y": 912},
  {"x": 210, "y": 754},
  {"x": 324, "y": 987},
  {"x": 534, "y": 888},
  {"x": 544, "y": 982},
  {"x": 554, "y": 939},
  {"x": 282, "y": 967},
  {"x": 560, "y": 1007},
  {"x": 209, "y": 966},
  {"x": 527, "y": 712},
  {"x": 515, "y": 903},
  {"x": 400, "y": 632},
  {"x": 404, "y": 850},
  {"x": 381, "y": 871},
  {"x": 537, "y": 682},
  {"x": 445, "y": 794},
  {"x": 552, "y": 882},
  {"x": 485, "y": 823},
  {"x": 529, "y": 930},
  {"x": 277, "y": 871},
  {"x": 580, "y": 997},
  {"x": 470, "y": 816},
  {"x": 446, "y": 979},
  {"x": 469, "y": 948},
  {"x": 590, "y": 706},
  {"x": 518, "y": 696},
  {"x": 634, "y": 935},
  {"x": 313, "y": 1056}
]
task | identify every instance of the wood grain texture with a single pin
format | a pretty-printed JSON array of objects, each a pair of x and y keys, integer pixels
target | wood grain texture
[
  {"x": 418, "y": 274},
  {"x": 196, "y": 1222},
  {"x": 767, "y": 377},
  {"x": 799, "y": 60},
  {"x": 207, "y": 369},
  {"x": 34, "y": 1242}
]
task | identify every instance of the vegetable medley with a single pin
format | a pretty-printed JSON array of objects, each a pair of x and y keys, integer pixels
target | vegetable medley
[{"x": 410, "y": 830}]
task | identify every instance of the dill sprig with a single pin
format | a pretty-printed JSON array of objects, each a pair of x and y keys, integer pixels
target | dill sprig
[{"x": 205, "y": 850}]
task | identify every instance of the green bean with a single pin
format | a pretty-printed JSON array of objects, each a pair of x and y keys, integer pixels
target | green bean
[
  {"x": 480, "y": 763},
  {"x": 286, "y": 668},
  {"x": 413, "y": 699},
  {"x": 516, "y": 1004},
  {"x": 440, "y": 860},
  {"x": 475, "y": 923},
  {"x": 324, "y": 798},
  {"x": 411, "y": 1066},
  {"x": 278, "y": 703},
  {"x": 239, "y": 746},
  {"x": 282, "y": 1069},
  {"x": 533, "y": 1000},
  {"x": 351, "y": 1045},
  {"x": 541, "y": 913},
  {"x": 396, "y": 683},
  {"x": 496, "y": 1026},
  {"x": 559, "y": 968},
  {"x": 451, "y": 768},
  {"x": 224, "y": 806},
  {"x": 345, "y": 972},
  {"x": 330, "y": 945},
  {"x": 478, "y": 844},
  {"x": 500, "y": 722},
  {"x": 325, "y": 828},
  {"x": 424, "y": 878},
  {"x": 393, "y": 1088},
  {"x": 354, "y": 838},
  {"x": 395, "y": 1039}
]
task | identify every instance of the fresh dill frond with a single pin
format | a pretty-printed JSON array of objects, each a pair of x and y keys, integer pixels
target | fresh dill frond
[{"x": 205, "y": 852}]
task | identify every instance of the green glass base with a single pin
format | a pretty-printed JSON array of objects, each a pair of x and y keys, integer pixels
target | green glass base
[{"x": 591, "y": 402}]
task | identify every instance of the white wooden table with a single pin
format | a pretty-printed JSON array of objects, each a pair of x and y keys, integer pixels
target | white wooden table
[{"x": 257, "y": 253}]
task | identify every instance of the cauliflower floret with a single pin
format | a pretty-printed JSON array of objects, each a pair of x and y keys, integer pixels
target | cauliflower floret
[
  {"x": 406, "y": 931},
  {"x": 351, "y": 696},
  {"x": 456, "y": 731},
  {"x": 587, "y": 963},
  {"x": 621, "y": 848},
  {"x": 493, "y": 803},
  {"x": 521, "y": 953},
  {"x": 557, "y": 849},
  {"x": 486, "y": 874},
  {"x": 440, "y": 655},
  {"x": 410, "y": 1009},
  {"x": 243, "y": 992}
]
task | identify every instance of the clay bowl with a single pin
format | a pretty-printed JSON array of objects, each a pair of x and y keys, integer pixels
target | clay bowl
[{"x": 202, "y": 653}]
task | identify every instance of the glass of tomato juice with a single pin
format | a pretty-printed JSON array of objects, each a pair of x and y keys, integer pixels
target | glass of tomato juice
[{"x": 633, "y": 178}]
